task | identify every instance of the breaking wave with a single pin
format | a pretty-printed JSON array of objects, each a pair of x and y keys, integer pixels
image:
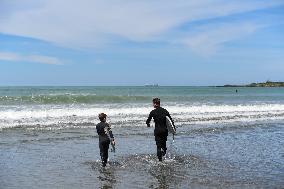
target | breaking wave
[{"x": 134, "y": 115}]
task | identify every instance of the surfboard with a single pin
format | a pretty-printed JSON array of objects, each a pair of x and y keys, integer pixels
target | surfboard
[
  {"x": 112, "y": 145},
  {"x": 170, "y": 125}
]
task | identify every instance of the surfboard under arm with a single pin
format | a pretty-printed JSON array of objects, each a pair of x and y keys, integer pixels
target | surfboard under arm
[{"x": 170, "y": 126}]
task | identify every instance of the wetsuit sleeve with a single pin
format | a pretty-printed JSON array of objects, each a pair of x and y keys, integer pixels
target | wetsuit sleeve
[
  {"x": 168, "y": 114},
  {"x": 149, "y": 119},
  {"x": 98, "y": 129}
]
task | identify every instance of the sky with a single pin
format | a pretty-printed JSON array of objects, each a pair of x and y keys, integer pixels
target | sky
[{"x": 138, "y": 42}]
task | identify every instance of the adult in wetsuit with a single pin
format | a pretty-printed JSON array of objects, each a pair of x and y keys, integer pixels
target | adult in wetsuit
[
  {"x": 161, "y": 132},
  {"x": 105, "y": 137}
]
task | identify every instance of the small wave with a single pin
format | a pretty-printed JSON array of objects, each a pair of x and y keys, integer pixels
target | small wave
[
  {"x": 64, "y": 138},
  {"x": 70, "y": 99}
]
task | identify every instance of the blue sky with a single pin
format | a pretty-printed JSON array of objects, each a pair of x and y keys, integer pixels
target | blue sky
[{"x": 122, "y": 42}]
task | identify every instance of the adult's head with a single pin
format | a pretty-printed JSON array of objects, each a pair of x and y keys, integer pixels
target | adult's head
[
  {"x": 102, "y": 117},
  {"x": 156, "y": 102}
]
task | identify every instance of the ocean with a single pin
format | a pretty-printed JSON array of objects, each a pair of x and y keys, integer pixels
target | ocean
[{"x": 225, "y": 138}]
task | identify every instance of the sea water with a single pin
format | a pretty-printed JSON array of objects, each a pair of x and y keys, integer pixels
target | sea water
[{"x": 225, "y": 138}]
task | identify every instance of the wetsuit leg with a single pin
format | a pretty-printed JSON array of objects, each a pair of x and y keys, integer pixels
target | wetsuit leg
[
  {"x": 161, "y": 142},
  {"x": 164, "y": 146},
  {"x": 104, "y": 145}
]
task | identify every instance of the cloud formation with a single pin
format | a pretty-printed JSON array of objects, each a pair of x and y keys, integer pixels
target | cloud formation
[
  {"x": 10, "y": 56},
  {"x": 97, "y": 23},
  {"x": 211, "y": 38}
]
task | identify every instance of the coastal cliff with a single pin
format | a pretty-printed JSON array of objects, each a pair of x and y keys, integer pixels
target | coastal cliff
[{"x": 265, "y": 84}]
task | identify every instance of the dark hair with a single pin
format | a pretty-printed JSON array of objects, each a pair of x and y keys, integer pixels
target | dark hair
[
  {"x": 102, "y": 116},
  {"x": 156, "y": 101}
]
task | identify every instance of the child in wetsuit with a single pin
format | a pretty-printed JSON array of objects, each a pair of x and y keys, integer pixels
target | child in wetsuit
[{"x": 105, "y": 137}]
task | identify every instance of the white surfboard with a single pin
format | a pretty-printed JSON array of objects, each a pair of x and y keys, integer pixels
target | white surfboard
[
  {"x": 112, "y": 144},
  {"x": 170, "y": 125}
]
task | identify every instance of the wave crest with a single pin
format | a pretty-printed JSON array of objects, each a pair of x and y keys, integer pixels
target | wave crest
[{"x": 56, "y": 117}]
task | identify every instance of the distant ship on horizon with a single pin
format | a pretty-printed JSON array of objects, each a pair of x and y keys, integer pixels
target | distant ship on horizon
[{"x": 151, "y": 85}]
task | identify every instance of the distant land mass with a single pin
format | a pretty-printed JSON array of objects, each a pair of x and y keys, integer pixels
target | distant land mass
[{"x": 265, "y": 84}]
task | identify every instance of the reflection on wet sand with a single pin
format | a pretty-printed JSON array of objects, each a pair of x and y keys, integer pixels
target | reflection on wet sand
[
  {"x": 145, "y": 167},
  {"x": 167, "y": 175},
  {"x": 106, "y": 175},
  {"x": 107, "y": 178}
]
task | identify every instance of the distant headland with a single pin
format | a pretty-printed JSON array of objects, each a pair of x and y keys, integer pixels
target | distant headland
[{"x": 265, "y": 84}]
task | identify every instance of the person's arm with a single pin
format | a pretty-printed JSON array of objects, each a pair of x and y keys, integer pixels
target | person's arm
[
  {"x": 149, "y": 119},
  {"x": 97, "y": 128},
  {"x": 111, "y": 136},
  {"x": 110, "y": 132}
]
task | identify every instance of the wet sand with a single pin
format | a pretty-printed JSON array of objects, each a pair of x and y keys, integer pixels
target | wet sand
[{"x": 228, "y": 156}]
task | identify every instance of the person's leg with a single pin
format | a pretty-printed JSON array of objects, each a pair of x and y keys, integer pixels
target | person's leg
[
  {"x": 104, "y": 152},
  {"x": 164, "y": 145},
  {"x": 159, "y": 147}
]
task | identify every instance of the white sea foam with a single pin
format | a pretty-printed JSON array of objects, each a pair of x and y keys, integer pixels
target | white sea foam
[{"x": 134, "y": 115}]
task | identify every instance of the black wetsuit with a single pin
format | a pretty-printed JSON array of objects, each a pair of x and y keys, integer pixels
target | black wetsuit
[
  {"x": 161, "y": 132},
  {"x": 104, "y": 140}
]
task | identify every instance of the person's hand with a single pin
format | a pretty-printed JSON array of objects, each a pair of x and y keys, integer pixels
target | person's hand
[{"x": 113, "y": 142}]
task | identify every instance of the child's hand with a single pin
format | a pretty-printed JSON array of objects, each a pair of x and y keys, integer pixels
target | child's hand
[{"x": 113, "y": 142}]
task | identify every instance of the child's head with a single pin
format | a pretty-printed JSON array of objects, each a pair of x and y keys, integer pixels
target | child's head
[
  {"x": 156, "y": 102},
  {"x": 102, "y": 116}
]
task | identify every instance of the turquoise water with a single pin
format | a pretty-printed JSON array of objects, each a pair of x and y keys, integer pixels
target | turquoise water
[
  {"x": 224, "y": 139},
  {"x": 94, "y": 95},
  {"x": 59, "y": 107}
]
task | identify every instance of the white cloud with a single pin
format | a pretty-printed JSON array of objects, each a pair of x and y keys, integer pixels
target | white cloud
[
  {"x": 9, "y": 56},
  {"x": 43, "y": 59},
  {"x": 209, "y": 39},
  {"x": 94, "y": 23}
]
